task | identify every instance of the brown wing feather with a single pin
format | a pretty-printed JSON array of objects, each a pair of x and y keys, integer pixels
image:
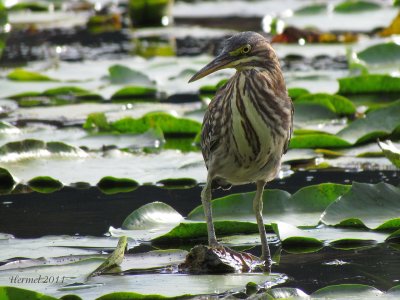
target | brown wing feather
[{"x": 285, "y": 149}]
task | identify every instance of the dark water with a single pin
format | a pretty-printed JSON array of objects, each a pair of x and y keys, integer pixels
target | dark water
[{"x": 91, "y": 212}]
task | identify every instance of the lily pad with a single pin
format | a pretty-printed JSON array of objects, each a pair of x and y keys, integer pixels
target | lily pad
[
  {"x": 387, "y": 53},
  {"x": 295, "y": 93},
  {"x": 111, "y": 185},
  {"x": 24, "y": 75},
  {"x": 122, "y": 75},
  {"x": 376, "y": 206},
  {"x": 347, "y": 290},
  {"x": 177, "y": 183},
  {"x": 337, "y": 104},
  {"x": 138, "y": 93},
  {"x": 30, "y": 148},
  {"x": 373, "y": 83},
  {"x": 7, "y": 181},
  {"x": 10, "y": 293},
  {"x": 152, "y": 215},
  {"x": 311, "y": 9},
  {"x": 391, "y": 152},
  {"x": 302, "y": 208},
  {"x": 45, "y": 184},
  {"x": 355, "y": 6},
  {"x": 378, "y": 123},
  {"x": 292, "y": 236}
]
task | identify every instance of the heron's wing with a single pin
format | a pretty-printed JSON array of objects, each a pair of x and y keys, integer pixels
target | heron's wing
[
  {"x": 291, "y": 127},
  {"x": 211, "y": 128}
]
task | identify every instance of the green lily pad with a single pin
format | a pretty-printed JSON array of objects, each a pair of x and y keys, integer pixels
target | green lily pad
[
  {"x": 170, "y": 125},
  {"x": 387, "y": 53},
  {"x": 295, "y": 93},
  {"x": 391, "y": 152},
  {"x": 311, "y": 112},
  {"x": 138, "y": 93},
  {"x": 7, "y": 181},
  {"x": 302, "y": 208},
  {"x": 196, "y": 231},
  {"x": 322, "y": 140},
  {"x": 374, "y": 83},
  {"x": 45, "y": 184},
  {"x": 111, "y": 185},
  {"x": 24, "y": 75},
  {"x": 31, "y": 148},
  {"x": 152, "y": 215},
  {"x": 378, "y": 123},
  {"x": 311, "y": 9},
  {"x": 122, "y": 75},
  {"x": 11, "y": 293},
  {"x": 32, "y": 6},
  {"x": 375, "y": 206},
  {"x": 336, "y": 103},
  {"x": 360, "y": 291},
  {"x": 292, "y": 236},
  {"x": 355, "y": 6}
]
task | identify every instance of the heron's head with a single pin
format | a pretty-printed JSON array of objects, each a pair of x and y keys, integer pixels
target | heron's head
[{"x": 245, "y": 49}]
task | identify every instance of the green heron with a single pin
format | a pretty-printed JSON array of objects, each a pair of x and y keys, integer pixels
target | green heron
[{"x": 247, "y": 126}]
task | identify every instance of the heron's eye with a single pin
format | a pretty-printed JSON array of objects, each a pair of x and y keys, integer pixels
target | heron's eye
[{"x": 246, "y": 49}]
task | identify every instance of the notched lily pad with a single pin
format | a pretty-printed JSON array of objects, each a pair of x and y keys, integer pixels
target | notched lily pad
[
  {"x": 360, "y": 291},
  {"x": 387, "y": 53},
  {"x": 336, "y": 103},
  {"x": 375, "y": 206},
  {"x": 45, "y": 184},
  {"x": 112, "y": 185}
]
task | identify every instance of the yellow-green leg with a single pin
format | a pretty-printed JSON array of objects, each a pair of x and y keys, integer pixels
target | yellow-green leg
[
  {"x": 206, "y": 201},
  {"x": 258, "y": 210}
]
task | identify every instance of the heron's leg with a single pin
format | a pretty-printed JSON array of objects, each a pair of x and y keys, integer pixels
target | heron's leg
[
  {"x": 206, "y": 200},
  {"x": 258, "y": 209}
]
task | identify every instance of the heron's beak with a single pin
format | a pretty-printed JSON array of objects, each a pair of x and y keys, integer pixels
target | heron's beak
[{"x": 222, "y": 61}]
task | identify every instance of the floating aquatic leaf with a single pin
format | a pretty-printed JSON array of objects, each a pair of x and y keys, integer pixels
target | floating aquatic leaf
[
  {"x": 378, "y": 123},
  {"x": 6, "y": 180},
  {"x": 322, "y": 140},
  {"x": 375, "y": 206},
  {"x": 45, "y": 184},
  {"x": 122, "y": 75},
  {"x": 355, "y": 6},
  {"x": 388, "y": 53},
  {"x": 24, "y": 75},
  {"x": 152, "y": 215},
  {"x": 347, "y": 290},
  {"x": 373, "y": 83},
  {"x": 302, "y": 208},
  {"x": 295, "y": 93},
  {"x": 394, "y": 27},
  {"x": 311, "y": 9},
  {"x": 287, "y": 293},
  {"x": 11, "y": 293},
  {"x": 170, "y": 125},
  {"x": 391, "y": 152},
  {"x": 139, "y": 93},
  {"x": 111, "y": 185},
  {"x": 336, "y": 103},
  {"x": 292, "y": 236}
]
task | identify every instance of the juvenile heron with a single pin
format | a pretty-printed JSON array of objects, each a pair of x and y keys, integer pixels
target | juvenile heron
[{"x": 247, "y": 126}]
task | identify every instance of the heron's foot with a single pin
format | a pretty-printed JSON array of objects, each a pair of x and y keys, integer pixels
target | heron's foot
[{"x": 219, "y": 259}]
